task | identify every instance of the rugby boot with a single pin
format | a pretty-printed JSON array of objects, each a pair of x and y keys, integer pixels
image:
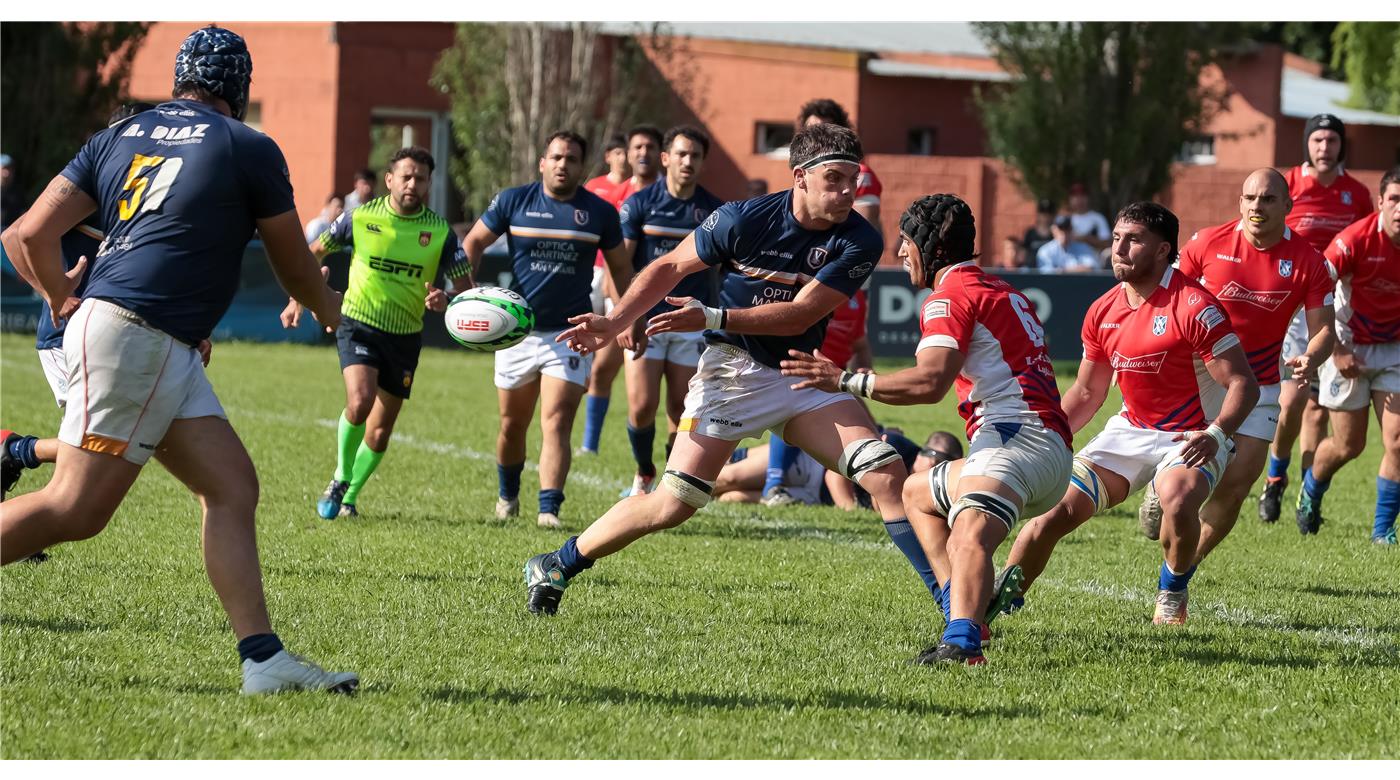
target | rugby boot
[
  {"x": 1006, "y": 588},
  {"x": 507, "y": 508},
  {"x": 1170, "y": 609},
  {"x": 1309, "y": 515},
  {"x": 288, "y": 672},
  {"x": 947, "y": 653},
  {"x": 329, "y": 505},
  {"x": 544, "y": 584},
  {"x": 1271, "y": 500}
]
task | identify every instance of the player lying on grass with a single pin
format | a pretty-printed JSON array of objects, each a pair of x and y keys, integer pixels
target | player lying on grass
[
  {"x": 790, "y": 259},
  {"x": 1147, "y": 333},
  {"x": 982, "y": 340}
]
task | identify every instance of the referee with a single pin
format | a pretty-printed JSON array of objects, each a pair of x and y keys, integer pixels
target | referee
[{"x": 400, "y": 251}]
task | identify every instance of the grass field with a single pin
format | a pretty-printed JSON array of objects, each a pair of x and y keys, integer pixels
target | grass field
[{"x": 748, "y": 632}]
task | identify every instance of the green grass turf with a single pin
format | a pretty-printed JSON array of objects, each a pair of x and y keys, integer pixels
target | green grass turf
[{"x": 748, "y": 632}]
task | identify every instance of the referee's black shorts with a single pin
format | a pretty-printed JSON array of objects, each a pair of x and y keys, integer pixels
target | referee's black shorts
[{"x": 396, "y": 356}]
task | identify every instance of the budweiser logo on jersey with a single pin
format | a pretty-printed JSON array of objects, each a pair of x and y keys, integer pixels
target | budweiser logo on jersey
[
  {"x": 1144, "y": 364},
  {"x": 1269, "y": 300},
  {"x": 1384, "y": 286}
]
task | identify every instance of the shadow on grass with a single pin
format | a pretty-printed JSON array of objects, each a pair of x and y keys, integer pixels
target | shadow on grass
[
  {"x": 694, "y": 701},
  {"x": 1348, "y": 593},
  {"x": 60, "y": 625}
]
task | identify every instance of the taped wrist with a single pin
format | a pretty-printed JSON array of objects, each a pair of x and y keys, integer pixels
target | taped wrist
[
  {"x": 859, "y": 384},
  {"x": 1216, "y": 432},
  {"x": 715, "y": 318}
]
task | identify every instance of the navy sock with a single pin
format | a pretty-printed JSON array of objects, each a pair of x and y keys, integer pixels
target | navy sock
[
  {"x": 944, "y": 597},
  {"x": 572, "y": 560},
  {"x": 965, "y": 633},
  {"x": 781, "y": 456},
  {"x": 550, "y": 501},
  {"x": 258, "y": 647},
  {"x": 1387, "y": 506},
  {"x": 22, "y": 450},
  {"x": 739, "y": 454},
  {"x": 902, "y": 534},
  {"x": 642, "y": 440},
  {"x": 508, "y": 481},
  {"x": 1315, "y": 488},
  {"x": 594, "y": 410},
  {"x": 1170, "y": 580}
]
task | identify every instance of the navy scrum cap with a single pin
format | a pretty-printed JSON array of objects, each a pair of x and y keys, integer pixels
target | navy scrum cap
[
  {"x": 217, "y": 60},
  {"x": 1325, "y": 122}
]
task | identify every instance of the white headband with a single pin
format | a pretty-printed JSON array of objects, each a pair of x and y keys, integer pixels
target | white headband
[{"x": 845, "y": 157}]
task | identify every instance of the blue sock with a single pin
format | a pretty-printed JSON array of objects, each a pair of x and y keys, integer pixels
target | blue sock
[
  {"x": 781, "y": 456},
  {"x": 944, "y": 597},
  {"x": 902, "y": 534},
  {"x": 594, "y": 410},
  {"x": 739, "y": 454},
  {"x": 22, "y": 450},
  {"x": 572, "y": 560},
  {"x": 1314, "y": 488},
  {"x": 1387, "y": 506},
  {"x": 508, "y": 481},
  {"x": 965, "y": 633},
  {"x": 550, "y": 501},
  {"x": 1278, "y": 467},
  {"x": 258, "y": 647},
  {"x": 642, "y": 440},
  {"x": 1170, "y": 580}
]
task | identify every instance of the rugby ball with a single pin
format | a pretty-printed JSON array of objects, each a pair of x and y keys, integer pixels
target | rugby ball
[{"x": 487, "y": 319}]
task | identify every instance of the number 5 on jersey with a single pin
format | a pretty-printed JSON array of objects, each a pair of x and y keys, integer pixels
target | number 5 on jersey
[{"x": 142, "y": 186}]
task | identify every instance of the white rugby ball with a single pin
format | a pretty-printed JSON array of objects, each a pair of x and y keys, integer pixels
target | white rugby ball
[{"x": 487, "y": 319}]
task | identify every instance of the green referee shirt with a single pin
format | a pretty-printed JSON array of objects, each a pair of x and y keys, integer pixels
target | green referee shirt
[{"x": 392, "y": 256}]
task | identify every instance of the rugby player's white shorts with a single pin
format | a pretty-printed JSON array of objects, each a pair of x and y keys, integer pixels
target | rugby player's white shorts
[
  {"x": 1381, "y": 374},
  {"x": 1139, "y": 454},
  {"x": 1295, "y": 342},
  {"x": 56, "y": 371},
  {"x": 733, "y": 397},
  {"x": 602, "y": 304},
  {"x": 1030, "y": 459},
  {"x": 1261, "y": 422},
  {"x": 683, "y": 349},
  {"x": 128, "y": 381},
  {"x": 539, "y": 353}
]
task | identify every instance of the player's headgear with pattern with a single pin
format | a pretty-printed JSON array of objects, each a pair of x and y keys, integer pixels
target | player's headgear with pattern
[
  {"x": 1324, "y": 122},
  {"x": 217, "y": 60},
  {"x": 942, "y": 227}
]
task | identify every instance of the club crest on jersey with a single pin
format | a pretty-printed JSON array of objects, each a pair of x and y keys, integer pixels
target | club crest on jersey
[
  {"x": 580, "y": 217},
  {"x": 424, "y": 238},
  {"x": 1193, "y": 299},
  {"x": 1346, "y": 198},
  {"x": 1159, "y": 325},
  {"x": 1285, "y": 268},
  {"x": 816, "y": 256},
  {"x": 711, "y": 221}
]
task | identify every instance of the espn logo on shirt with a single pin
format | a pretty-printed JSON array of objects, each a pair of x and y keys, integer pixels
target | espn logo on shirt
[
  {"x": 1144, "y": 364},
  {"x": 1269, "y": 300},
  {"x": 1210, "y": 317}
]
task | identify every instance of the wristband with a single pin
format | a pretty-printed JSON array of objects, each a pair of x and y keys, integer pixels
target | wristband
[
  {"x": 862, "y": 385},
  {"x": 1216, "y": 432},
  {"x": 715, "y": 318}
]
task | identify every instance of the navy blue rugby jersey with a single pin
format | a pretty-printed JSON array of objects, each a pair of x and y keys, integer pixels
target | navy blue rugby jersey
[
  {"x": 178, "y": 188},
  {"x": 553, "y": 244},
  {"x": 81, "y": 241},
  {"x": 658, "y": 222},
  {"x": 767, "y": 257}
]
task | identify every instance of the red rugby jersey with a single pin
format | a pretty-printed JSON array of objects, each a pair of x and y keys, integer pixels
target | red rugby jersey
[
  {"x": 1368, "y": 287},
  {"x": 1152, "y": 349},
  {"x": 868, "y": 187},
  {"x": 1259, "y": 288},
  {"x": 616, "y": 194},
  {"x": 845, "y": 328},
  {"x": 1319, "y": 212},
  {"x": 1007, "y": 376}
]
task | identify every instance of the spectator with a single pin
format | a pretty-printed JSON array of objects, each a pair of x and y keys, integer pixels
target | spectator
[
  {"x": 1090, "y": 227},
  {"x": 1064, "y": 253},
  {"x": 941, "y": 446},
  {"x": 363, "y": 192},
  {"x": 1010, "y": 255},
  {"x": 319, "y": 224},
  {"x": 1037, "y": 235},
  {"x": 11, "y": 202}
]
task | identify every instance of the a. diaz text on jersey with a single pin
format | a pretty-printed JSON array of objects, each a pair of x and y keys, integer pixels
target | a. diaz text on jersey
[
  {"x": 1368, "y": 286},
  {"x": 552, "y": 247},
  {"x": 658, "y": 222},
  {"x": 767, "y": 257},
  {"x": 1153, "y": 349},
  {"x": 1007, "y": 376},
  {"x": 1259, "y": 288},
  {"x": 179, "y": 189}
]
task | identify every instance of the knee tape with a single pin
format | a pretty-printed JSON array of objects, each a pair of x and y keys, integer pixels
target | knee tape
[
  {"x": 692, "y": 491},
  {"x": 863, "y": 456},
  {"x": 987, "y": 503},
  {"x": 1083, "y": 478},
  {"x": 938, "y": 487}
]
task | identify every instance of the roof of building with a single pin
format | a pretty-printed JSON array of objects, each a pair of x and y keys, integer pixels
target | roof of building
[
  {"x": 1304, "y": 95},
  {"x": 908, "y": 37}
]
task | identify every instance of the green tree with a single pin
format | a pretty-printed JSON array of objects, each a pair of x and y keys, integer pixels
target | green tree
[
  {"x": 1369, "y": 54},
  {"x": 1108, "y": 104},
  {"x": 58, "y": 84},
  {"x": 511, "y": 85}
]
